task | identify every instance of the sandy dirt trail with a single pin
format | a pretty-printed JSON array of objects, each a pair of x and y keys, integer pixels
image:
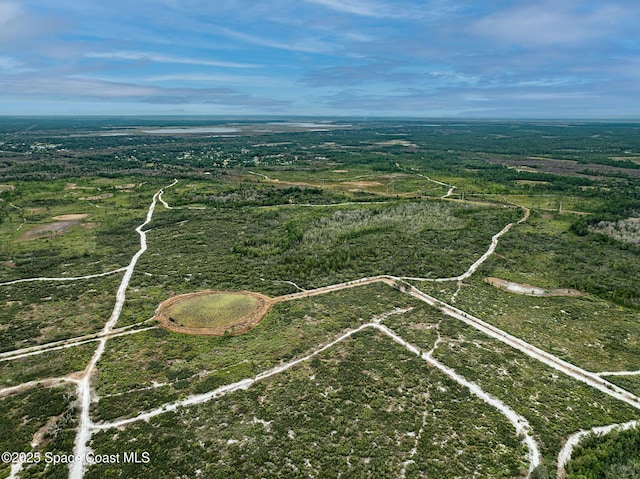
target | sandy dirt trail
[
  {"x": 80, "y": 448},
  {"x": 49, "y": 382},
  {"x": 70, "y": 343},
  {"x": 522, "y": 427},
  {"x": 565, "y": 453},
  {"x": 63, "y": 278},
  {"x": 472, "y": 269},
  {"x": 520, "y": 424},
  {"x": 592, "y": 379}
]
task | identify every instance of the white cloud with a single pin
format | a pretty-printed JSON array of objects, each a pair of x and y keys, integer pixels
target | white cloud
[
  {"x": 550, "y": 23},
  {"x": 257, "y": 80},
  {"x": 356, "y": 7},
  {"x": 9, "y": 65},
  {"x": 66, "y": 89},
  {"x": 18, "y": 24},
  {"x": 153, "y": 57},
  {"x": 307, "y": 45}
]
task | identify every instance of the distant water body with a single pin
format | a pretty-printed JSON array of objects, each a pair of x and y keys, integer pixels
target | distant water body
[{"x": 205, "y": 129}]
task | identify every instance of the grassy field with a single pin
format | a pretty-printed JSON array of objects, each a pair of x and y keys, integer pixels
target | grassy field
[{"x": 212, "y": 310}]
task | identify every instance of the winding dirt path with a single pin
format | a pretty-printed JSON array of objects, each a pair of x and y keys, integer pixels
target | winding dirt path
[
  {"x": 75, "y": 278},
  {"x": 49, "y": 382},
  {"x": 472, "y": 269},
  {"x": 565, "y": 453},
  {"x": 520, "y": 424},
  {"x": 84, "y": 391},
  {"x": 80, "y": 448}
]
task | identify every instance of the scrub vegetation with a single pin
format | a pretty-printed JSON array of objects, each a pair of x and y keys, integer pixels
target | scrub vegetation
[{"x": 289, "y": 212}]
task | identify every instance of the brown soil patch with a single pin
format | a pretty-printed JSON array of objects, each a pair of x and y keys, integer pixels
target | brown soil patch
[
  {"x": 242, "y": 325},
  {"x": 529, "y": 290},
  {"x": 70, "y": 217},
  {"x": 362, "y": 184},
  {"x": 98, "y": 197},
  {"x": 48, "y": 230}
]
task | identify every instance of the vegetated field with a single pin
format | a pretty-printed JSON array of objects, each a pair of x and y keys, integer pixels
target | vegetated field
[
  {"x": 179, "y": 364},
  {"x": 44, "y": 416},
  {"x": 277, "y": 213},
  {"x": 555, "y": 405},
  {"x": 587, "y": 331},
  {"x": 50, "y": 364},
  {"x": 630, "y": 383},
  {"x": 612, "y": 456},
  {"x": 44, "y": 311},
  {"x": 213, "y": 312},
  {"x": 357, "y": 409}
]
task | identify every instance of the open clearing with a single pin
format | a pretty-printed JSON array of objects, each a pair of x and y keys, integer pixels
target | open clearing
[
  {"x": 71, "y": 217},
  {"x": 213, "y": 312},
  {"x": 50, "y": 229},
  {"x": 531, "y": 290}
]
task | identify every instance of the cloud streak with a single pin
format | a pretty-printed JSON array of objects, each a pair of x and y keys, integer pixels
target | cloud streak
[
  {"x": 92, "y": 89},
  {"x": 373, "y": 57},
  {"x": 154, "y": 57},
  {"x": 548, "y": 23}
]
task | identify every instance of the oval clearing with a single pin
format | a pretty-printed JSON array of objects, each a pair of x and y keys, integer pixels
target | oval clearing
[{"x": 213, "y": 312}]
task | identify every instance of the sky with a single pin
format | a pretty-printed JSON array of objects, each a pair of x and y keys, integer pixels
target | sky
[{"x": 556, "y": 59}]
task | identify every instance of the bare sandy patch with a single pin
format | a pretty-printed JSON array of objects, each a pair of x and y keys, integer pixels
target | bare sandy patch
[
  {"x": 48, "y": 230},
  {"x": 71, "y": 217},
  {"x": 362, "y": 184},
  {"x": 97, "y": 197},
  {"x": 530, "y": 290},
  {"x": 62, "y": 224},
  {"x": 396, "y": 143}
]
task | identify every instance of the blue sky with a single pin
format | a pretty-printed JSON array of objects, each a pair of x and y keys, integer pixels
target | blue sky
[{"x": 431, "y": 58}]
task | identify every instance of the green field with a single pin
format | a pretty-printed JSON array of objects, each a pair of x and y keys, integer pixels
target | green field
[{"x": 212, "y": 310}]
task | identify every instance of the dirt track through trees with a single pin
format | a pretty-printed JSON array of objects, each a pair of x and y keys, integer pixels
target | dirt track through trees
[{"x": 84, "y": 390}]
